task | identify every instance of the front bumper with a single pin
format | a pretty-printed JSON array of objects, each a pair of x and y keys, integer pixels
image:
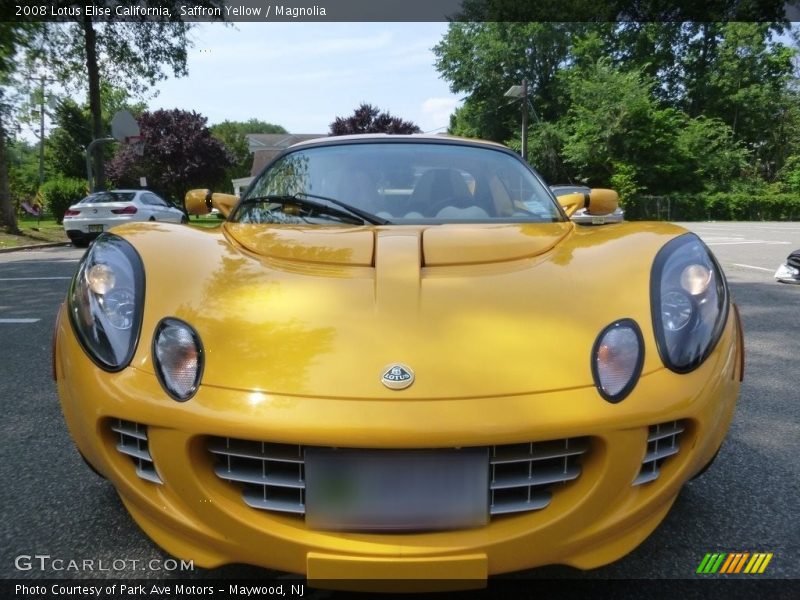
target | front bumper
[{"x": 591, "y": 521}]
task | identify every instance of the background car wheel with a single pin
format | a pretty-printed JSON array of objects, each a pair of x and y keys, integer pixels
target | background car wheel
[
  {"x": 80, "y": 243},
  {"x": 151, "y": 219},
  {"x": 184, "y": 219}
]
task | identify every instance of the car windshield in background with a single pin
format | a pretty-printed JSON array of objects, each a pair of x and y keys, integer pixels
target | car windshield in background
[
  {"x": 103, "y": 197},
  {"x": 397, "y": 183}
]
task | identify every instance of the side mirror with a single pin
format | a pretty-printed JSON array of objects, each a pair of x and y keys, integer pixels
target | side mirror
[
  {"x": 200, "y": 202},
  {"x": 598, "y": 201}
]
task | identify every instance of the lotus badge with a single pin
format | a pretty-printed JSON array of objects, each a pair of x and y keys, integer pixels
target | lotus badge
[{"x": 397, "y": 377}]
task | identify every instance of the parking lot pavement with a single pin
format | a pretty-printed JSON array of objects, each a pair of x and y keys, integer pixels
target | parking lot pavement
[
  {"x": 747, "y": 502},
  {"x": 757, "y": 248}
]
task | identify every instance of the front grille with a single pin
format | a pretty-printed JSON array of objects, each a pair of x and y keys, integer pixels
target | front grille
[
  {"x": 133, "y": 443},
  {"x": 272, "y": 474},
  {"x": 521, "y": 476},
  {"x": 662, "y": 442}
]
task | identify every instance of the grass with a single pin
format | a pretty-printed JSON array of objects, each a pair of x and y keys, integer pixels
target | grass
[
  {"x": 34, "y": 232},
  {"x": 45, "y": 231}
]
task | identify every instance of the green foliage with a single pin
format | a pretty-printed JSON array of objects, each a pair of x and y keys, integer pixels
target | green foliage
[
  {"x": 232, "y": 135},
  {"x": 60, "y": 193},
  {"x": 23, "y": 172},
  {"x": 790, "y": 174},
  {"x": 482, "y": 60},
  {"x": 129, "y": 54},
  {"x": 624, "y": 180},
  {"x": 710, "y": 157},
  {"x": 72, "y": 133},
  {"x": 661, "y": 106}
]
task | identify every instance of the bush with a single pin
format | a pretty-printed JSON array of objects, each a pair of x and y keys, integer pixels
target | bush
[
  {"x": 722, "y": 206},
  {"x": 60, "y": 193}
]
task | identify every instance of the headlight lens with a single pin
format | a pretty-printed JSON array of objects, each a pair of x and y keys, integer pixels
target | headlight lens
[
  {"x": 105, "y": 302},
  {"x": 689, "y": 297},
  {"x": 178, "y": 356},
  {"x": 617, "y": 359}
]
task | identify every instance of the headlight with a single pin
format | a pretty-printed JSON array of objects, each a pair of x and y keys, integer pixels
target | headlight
[
  {"x": 617, "y": 359},
  {"x": 105, "y": 302},
  {"x": 178, "y": 356},
  {"x": 689, "y": 297}
]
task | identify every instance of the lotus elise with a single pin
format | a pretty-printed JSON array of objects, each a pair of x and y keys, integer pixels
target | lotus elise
[{"x": 398, "y": 359}]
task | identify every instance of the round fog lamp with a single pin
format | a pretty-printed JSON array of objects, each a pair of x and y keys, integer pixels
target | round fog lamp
[
  {"x": 178, "y": 358},
  {"x": 617, "y": 359}
]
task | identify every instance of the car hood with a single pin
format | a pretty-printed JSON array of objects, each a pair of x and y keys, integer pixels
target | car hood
[{"x": 472, "y": 310}]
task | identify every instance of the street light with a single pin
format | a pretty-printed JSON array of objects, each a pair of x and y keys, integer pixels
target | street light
[{"x": 521, "y": 91}]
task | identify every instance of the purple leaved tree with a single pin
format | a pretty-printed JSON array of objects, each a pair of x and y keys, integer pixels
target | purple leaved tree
[{"x": 179, "y": 154}]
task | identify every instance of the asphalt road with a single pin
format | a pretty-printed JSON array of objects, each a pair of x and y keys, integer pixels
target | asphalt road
[{"x": 53, "y": 505}]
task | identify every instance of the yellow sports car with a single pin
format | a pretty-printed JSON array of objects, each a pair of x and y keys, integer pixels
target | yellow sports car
[{"x": 398, "y": 359}]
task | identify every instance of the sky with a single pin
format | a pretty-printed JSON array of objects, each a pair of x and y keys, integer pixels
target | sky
[{"x": 304, "y": 75}]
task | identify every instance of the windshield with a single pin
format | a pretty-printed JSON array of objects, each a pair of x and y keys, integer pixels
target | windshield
[
  {"x": 103, "y": 197},
  {"x": 398, "y": 183}
]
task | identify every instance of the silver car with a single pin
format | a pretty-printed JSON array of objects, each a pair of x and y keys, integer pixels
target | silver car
[
  {"x": 100, "y": 211},
  {"x": 581, "y": 216}
]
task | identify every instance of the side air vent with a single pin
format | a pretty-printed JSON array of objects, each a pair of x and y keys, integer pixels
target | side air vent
[
  {"x": 133, "y": 442},
  {"x": 662, "y": 442},
  {"x": 522, "y": 475},
  {"x": 273, "y": 474}
]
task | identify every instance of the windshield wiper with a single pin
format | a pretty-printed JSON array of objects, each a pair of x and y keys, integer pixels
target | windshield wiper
[{"x": 339, "y": 207}]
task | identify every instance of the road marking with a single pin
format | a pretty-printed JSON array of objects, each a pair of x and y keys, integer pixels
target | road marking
[
  {"x": 19, "y": 320},
  {"x": 752, "y": 267},
  {"x": 31, "y": 278}
]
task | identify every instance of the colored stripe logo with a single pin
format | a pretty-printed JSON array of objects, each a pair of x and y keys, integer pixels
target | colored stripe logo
[{"x": 731, "y": 563}]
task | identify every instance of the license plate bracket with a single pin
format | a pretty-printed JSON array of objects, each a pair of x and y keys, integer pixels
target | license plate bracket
[{"x": 396, "y": 490}]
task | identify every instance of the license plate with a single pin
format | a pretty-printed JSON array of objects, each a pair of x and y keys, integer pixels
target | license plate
[
  {"x": 95, "y": 228},
  {"x": 396, "y": 490}
]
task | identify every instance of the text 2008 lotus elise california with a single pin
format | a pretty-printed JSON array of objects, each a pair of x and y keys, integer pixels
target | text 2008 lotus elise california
[{"x": 398, "y": 359}]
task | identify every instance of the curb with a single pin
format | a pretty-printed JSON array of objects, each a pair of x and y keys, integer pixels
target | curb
[{"x": 34, "y": 247}]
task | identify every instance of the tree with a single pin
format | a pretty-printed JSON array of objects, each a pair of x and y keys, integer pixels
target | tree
[
  {"x": 23, "y": 171},
  {"x": 482, "y": 60},
  {"x": 15, "y": 37},
  {"x": 67, "y": 142},
  {"x": 656, "y": 105},
  {"x": 369, "y": 119},
  {"x": 179, "y": 154},
  {"x": 131, "y": 54},
  {"x": 233, "y": 135}
]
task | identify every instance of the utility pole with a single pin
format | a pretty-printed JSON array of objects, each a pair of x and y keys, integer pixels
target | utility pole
[
  {"x": 42, "y": 81},
  {"x": 525, "y": 120}
]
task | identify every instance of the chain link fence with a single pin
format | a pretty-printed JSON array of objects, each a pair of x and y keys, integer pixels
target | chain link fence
[{"x": 735, "y": 206}]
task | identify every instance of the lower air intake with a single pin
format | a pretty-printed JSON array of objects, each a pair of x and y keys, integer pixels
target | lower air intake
[
  {"x": 662, "y": 442},
  {"x": 133, "y": 443}
]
